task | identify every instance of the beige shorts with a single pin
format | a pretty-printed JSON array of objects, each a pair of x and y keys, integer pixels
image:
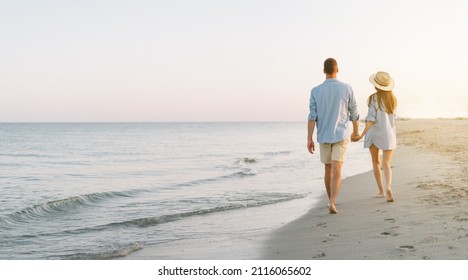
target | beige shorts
[{"x": 334, "y": 151}]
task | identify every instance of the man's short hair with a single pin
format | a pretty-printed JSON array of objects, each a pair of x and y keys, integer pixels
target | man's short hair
[{"x": 330, "y": 66}]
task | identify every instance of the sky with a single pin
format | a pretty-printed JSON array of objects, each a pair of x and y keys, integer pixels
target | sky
[{"x": 215, "y": 60}]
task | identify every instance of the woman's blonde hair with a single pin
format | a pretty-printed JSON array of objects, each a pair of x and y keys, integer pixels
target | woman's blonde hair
[{"x": 386, "y": 98}]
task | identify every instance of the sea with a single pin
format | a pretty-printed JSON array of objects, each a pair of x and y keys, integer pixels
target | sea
[{"x": 107, "y": 190}]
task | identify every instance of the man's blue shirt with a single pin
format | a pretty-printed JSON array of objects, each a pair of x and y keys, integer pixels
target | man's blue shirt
[{"x": 332, "y": 106}]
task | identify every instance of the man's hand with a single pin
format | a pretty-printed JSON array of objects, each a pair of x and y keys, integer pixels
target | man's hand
[
  {"x": 355, "y": 138},
  {"x": 310, "y": 132},
  {"x": 311, "y": 146}
]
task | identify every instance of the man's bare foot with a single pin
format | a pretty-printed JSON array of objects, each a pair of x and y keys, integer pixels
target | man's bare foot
[
  {"x": 379, "y": 195},
  {"x": 332, "y": 208},
  {"x": 390, "y": 195}
]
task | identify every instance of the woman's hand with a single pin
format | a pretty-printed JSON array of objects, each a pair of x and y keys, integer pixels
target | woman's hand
[{"x": 356, "y": 138}]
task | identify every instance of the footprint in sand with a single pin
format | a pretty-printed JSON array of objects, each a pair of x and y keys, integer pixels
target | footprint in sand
[
  {"x": 460, "y": 219},
  {"x": 407, "y": 248},
  {"x": 390, "y": 220},
  {"x": 330, "y": 237},
  {"x": 323, "y": 225},
  {"x": 319, "y": 255},
  {"x": 389, "y": 233}
]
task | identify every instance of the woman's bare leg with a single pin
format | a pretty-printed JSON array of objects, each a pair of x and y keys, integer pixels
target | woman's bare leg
[
  {"x": 374, "y": 151},
  {"x": 387, "y": 167}
]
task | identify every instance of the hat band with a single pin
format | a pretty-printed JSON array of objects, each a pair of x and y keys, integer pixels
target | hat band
[{"x": 384, "y": 85}]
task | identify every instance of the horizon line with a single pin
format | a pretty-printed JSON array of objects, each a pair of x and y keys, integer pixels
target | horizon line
[{"x": 254, "y": 121}]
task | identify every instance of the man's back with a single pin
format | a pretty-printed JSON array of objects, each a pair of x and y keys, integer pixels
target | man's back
[{"x": 332, "y": 106}]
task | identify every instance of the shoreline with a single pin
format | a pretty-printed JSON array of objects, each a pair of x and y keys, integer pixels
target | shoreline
[{"x": 428, "y": 219}]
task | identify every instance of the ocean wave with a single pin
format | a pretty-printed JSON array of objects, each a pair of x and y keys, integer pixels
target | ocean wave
[
  {"x": 243, "y": 172},
  {"x": 262, "y": 199},
  {"x": 111, "y": 254},
  {"x": 28, "y": 155},
  {"x": 59, "y": 206},
  {"x": 28, "y": 178},
  {"x": 247, "y": 160},
  {"x": 277, "y": 153},
  {"x": 265, "y": 199}
]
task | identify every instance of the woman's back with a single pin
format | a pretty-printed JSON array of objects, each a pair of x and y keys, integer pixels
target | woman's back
[{"x": 383, "y": 132}]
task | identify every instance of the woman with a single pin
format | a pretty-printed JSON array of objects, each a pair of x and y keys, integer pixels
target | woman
[{"x": 380, "y": 131}]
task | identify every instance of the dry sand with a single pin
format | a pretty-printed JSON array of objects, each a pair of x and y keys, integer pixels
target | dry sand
[{"x": 428, "y": 220}]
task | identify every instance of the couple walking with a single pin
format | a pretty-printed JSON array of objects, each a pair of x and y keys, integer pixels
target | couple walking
[{"x": 332, "y": 106}]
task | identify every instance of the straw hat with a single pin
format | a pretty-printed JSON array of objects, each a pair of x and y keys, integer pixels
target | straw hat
[{"x": 382, "y": 80}]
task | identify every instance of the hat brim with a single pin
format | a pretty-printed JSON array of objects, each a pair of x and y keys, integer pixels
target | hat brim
[{"x": 384, "y": 88}]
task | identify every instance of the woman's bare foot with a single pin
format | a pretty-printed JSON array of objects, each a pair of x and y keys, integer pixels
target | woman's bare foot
[
  {"x": 390, "y": 195},
  {"x": 379, "y": 195},
  {"x": 332, "y": 208}
]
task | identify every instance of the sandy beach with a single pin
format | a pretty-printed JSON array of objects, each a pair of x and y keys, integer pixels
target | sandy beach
[{"x": 428, "y": 220}]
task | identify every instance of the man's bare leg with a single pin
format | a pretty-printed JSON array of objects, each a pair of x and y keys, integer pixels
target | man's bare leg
[
  {"x": 335, "y": 185},
  {"x": 327, "y": 178}
]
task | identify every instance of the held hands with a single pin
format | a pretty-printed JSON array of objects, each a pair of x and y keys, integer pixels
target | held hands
[{"x": 356, "y": 137}]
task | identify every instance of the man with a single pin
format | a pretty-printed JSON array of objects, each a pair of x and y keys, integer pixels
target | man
[{"x": 332, "y": 106}]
